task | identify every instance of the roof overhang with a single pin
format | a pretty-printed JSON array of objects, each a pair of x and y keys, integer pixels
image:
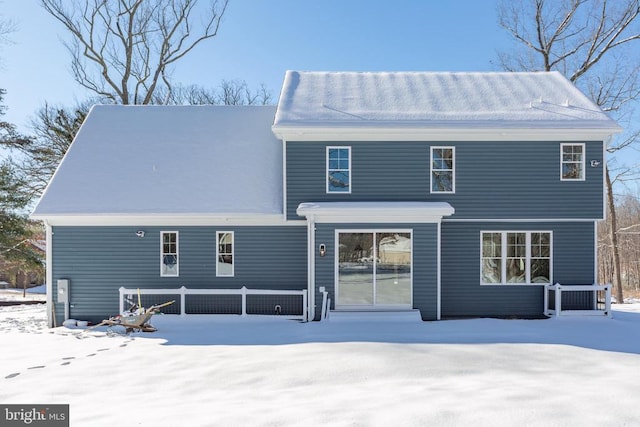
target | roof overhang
[
  {"x": 375, "y": 212},
  {"x": 451, "y": 133},
  {"x": 162, "y": 220}
]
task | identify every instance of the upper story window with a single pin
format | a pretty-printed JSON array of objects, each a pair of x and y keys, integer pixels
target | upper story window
[
  {"x": 169, "y": 253},
  {"x": 224, "y": 253},
  {"x": 519, "y": 257},
  {"x": 572, "y": 162},
  {"x": 339, "y": 170},
  {"x": 443, "y": 170}
]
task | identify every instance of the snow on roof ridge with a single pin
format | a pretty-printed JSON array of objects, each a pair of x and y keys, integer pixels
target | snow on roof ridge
[{"x": 326, "y": 98}]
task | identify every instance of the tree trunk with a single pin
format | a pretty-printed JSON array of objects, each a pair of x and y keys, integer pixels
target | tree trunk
[{"x": 614, "y": 241}]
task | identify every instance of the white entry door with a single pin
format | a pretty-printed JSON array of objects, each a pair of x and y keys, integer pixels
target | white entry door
[{"x": 373, "y": 269}]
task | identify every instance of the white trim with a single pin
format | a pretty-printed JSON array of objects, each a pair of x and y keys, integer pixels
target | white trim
[
  {"x": 373, "y": 306},
  {"x": 438, "y": 272},
  {"x": 375, "y": 212},
  {"x": 503, "y": 257},
  {"x": 518, "y": 220},
  {"x": 166, "y": 220},
  {"x": 604, "y": 170},
  {"x": 453, "y": 169},
  {"x": 337, "y": 147},
  {"x": 595, "y": 252},
  {"x": 584, "y": 162},
  {"x": 284, "y": 179},
  {"x": 49, "y": 272},
  {"x": 233, "y": 251},
  {"x": 162, "y": 253},
  {"x": 311, "y": 269},
  {"x": 455, "y": 132}
]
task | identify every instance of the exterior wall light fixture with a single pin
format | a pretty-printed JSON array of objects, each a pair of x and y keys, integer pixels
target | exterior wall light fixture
[{"x": 322, "y": 249}]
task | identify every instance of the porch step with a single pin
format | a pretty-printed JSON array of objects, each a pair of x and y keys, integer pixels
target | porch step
[{"x": 375, "y": 316}]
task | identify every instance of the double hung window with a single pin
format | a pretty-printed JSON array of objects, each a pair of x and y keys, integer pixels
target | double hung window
[
  {"x": 339, "y": 170},
  {"x": 572, "y": 162},
  {"x": 169, "y": 253},
  {"x": 224, "y": 254},
  {"x": 518, "y": 257},
  {"x": 442, "y": 170}
]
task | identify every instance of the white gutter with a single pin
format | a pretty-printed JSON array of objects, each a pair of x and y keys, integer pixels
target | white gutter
[
  {"x": 49, "y": 272},
  {"x": 438, "y": 274},
  {"x": 445, "y": 133},
  {"x": 113, "y": 219}
]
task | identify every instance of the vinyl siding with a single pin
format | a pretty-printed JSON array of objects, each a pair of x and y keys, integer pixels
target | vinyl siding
[
  {"x": 493, "y": 179},
  {"x": 424, "y": 262},
  {"x": 462, "y": 294},
  {"x": 99, "y": 260}
]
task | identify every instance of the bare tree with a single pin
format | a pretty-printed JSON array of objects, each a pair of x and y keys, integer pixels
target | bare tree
[
  {"x": 594, "y": 43},
  {"x": 229, "y": 92},
  {"x": 6, "y": 28},
  {"x": 55, "y": 128},
  {"x": 123, "y": 50}
]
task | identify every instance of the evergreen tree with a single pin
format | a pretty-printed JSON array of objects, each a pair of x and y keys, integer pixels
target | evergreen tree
[{"x": 15, "y": 228}]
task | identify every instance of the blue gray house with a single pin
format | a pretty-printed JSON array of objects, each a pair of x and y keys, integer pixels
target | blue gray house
[{"x": 446, "y": 194}]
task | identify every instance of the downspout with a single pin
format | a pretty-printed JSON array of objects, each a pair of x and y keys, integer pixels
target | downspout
[
  {"x": 596, "y": 259},
  {"x": 595, "y": 263},
  {"x": 49, "y": 273},
  {"x": 438, "y": 276},
  {"x": 311, "y": 268}
]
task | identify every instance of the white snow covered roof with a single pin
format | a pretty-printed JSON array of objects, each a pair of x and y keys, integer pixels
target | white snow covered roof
[
  {"x": 414, "y": 102},
  {"x": 169, "y": 160}
]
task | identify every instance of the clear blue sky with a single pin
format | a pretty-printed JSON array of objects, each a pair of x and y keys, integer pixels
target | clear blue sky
[{"x": 259, "y": 40}]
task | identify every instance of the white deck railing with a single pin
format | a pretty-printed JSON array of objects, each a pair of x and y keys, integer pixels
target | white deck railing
[
  {"x": 243, "y": 292},
  {"x": 600, "y": 308}
]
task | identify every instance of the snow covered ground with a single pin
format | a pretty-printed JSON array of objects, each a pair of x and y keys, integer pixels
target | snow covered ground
[{"x": 204, "y": 371}]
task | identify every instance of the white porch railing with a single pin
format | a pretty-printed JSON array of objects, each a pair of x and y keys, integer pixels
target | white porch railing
[
  {"x": 600, "y": 307},
  {"x": 243, "y": 292}
]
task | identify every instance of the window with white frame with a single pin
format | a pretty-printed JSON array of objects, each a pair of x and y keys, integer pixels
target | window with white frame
[
  {"x": 572, "y": 162},
  {"x": 169, "y": 253},
  {"x": 338, "y": 169},
  {"x": 515, "y": 257},
  {"x": 224, "y": 254},
  {"x": 442, "y": 170}
]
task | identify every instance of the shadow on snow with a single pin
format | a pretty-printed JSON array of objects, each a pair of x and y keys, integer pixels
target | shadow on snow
[{"x": 620, "y": 334}]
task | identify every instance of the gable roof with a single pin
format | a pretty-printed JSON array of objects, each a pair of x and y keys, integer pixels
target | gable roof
[
  {"x": 169, "y": 161},
  {"x": 325, "y": 103}
]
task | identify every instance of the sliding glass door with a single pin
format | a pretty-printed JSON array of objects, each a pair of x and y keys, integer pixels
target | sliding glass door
[{"x": 374, "y": 269}]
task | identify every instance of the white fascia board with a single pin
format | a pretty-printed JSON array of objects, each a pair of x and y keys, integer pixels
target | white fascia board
[
  {"x": 375, "y": 212},
  {"x": 328, "y": 133},
  {"x": 519, "y": 220},
  {"x": 167, "y": 220}
]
